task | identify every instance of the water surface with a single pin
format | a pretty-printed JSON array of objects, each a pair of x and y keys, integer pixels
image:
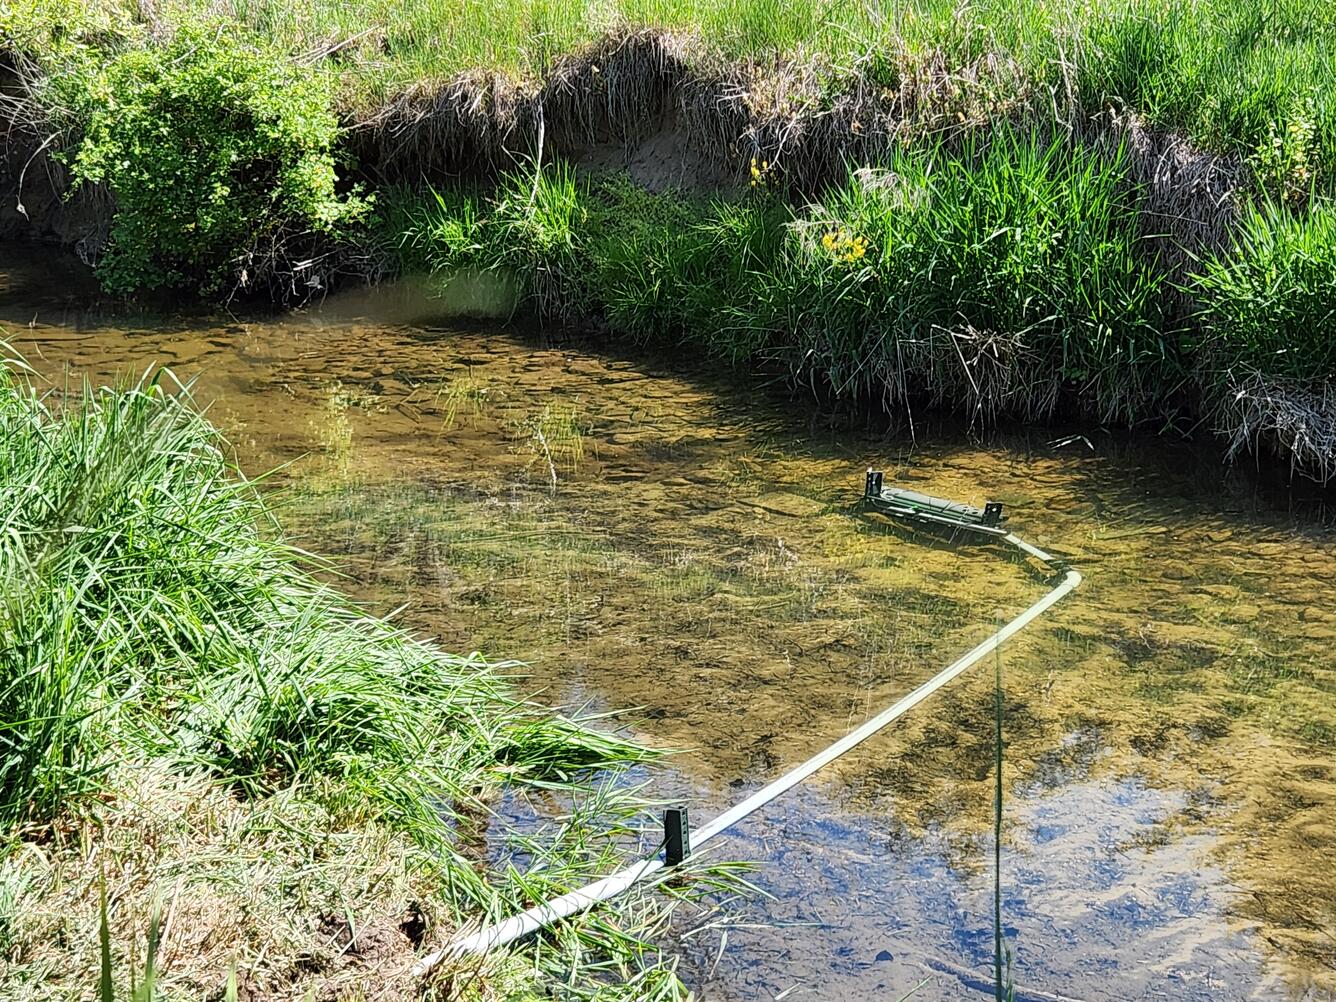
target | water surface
[{"x": 646, "y": 533}]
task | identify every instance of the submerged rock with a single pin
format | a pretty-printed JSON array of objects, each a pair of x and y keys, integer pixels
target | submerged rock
[{"x": 783, "y": 503}]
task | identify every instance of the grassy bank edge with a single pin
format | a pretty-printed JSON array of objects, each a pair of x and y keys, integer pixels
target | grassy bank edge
[
  {"x": 276, "y": 787},
  {"x": 1006, "y": 278}
]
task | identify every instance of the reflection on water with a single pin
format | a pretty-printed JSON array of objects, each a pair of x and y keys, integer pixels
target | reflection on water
[{"x": 649, "y": 535}]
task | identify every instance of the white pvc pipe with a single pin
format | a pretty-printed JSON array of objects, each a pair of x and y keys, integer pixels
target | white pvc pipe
[{"x": 545, "y": 914}]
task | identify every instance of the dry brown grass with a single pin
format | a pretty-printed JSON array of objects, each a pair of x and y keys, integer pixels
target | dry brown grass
[
  {"x": 1297, "y": 420},
  {"x": 302, "y": 903},
  {"x": 811, "y": 124},
  {"x": 797, "y": 113},
  {"x": 1192, "y": 197},
  {"x": 612, "y": 92}
]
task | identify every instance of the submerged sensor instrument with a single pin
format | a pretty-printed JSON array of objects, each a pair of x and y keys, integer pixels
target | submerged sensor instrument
[
  {"x": 912, "y": 506},
  {"x": 680, "y": 839}
]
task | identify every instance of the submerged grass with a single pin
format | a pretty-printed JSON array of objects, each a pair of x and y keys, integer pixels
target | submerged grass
[{"x": 185, "y": 708}]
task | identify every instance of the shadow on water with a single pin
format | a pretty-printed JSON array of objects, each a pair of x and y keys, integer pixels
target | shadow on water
[{"x": 645, "y": 533}]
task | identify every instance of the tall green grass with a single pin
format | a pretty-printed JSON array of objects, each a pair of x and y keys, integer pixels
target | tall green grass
[
  {"x": 153, "y": 620},
  {"x": 1253, "y": 79},
  {"x": 1266, "y": 303},
  {"x": 149, "y": 603},
  {"x": 1003, "y": 278}
]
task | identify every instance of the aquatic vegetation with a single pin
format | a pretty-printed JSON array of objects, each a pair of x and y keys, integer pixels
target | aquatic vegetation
[
  {"x": 461, "y": 394},
  {"x": 334, "y": 431},
  {"x": 556, "y": 435}
]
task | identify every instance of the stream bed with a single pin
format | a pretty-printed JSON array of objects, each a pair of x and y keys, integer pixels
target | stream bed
[{"x": 649, "y": 534}]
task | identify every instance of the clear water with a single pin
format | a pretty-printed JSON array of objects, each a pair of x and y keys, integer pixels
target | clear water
[{"x": 648, "y": 533}]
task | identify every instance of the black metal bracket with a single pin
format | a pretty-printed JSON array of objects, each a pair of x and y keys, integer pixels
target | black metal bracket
[
  {"x": 911, "y": 506},
  {"x": 872, "y": 488},
  {"x": 676, "y": 835}
]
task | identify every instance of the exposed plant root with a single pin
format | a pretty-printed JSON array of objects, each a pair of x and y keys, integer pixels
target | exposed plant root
[
  {"x": 786, "y": 115},
  {"x": 982, "y": 375},
  {"x": 1297, "y": 419},
  {"x": 621, "y": 89},
  {"x": 999, "y": 374},
  {"x": 297, "y": 267},
  {"x": 1191, "y": 195},
  {"x": 33, "y": 181},
  {"x": 613, "y": 92}
]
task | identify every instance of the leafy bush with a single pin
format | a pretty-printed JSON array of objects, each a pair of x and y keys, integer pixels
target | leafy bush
[{"x": 217, "y": 153}]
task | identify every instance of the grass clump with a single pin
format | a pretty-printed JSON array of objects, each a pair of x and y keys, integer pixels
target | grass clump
[
  {"x": 1266, "y": 303},
  {"x": 1249, "y": 79},
  {"x": 998, "y": 276},
  {"x": 1266, "y": 354},
  {"x": 185, "y": 708}
]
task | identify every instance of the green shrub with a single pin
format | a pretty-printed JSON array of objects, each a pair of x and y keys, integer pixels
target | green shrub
[
  {"x": 1267, "y": 304},
  {"x": 217, "y": 153}
]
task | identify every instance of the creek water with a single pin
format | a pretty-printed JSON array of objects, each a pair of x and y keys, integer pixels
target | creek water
[{"x": 648, "y": 534}]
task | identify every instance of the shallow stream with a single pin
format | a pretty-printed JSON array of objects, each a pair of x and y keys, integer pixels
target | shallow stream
[{"x": 647, "y": 533}]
